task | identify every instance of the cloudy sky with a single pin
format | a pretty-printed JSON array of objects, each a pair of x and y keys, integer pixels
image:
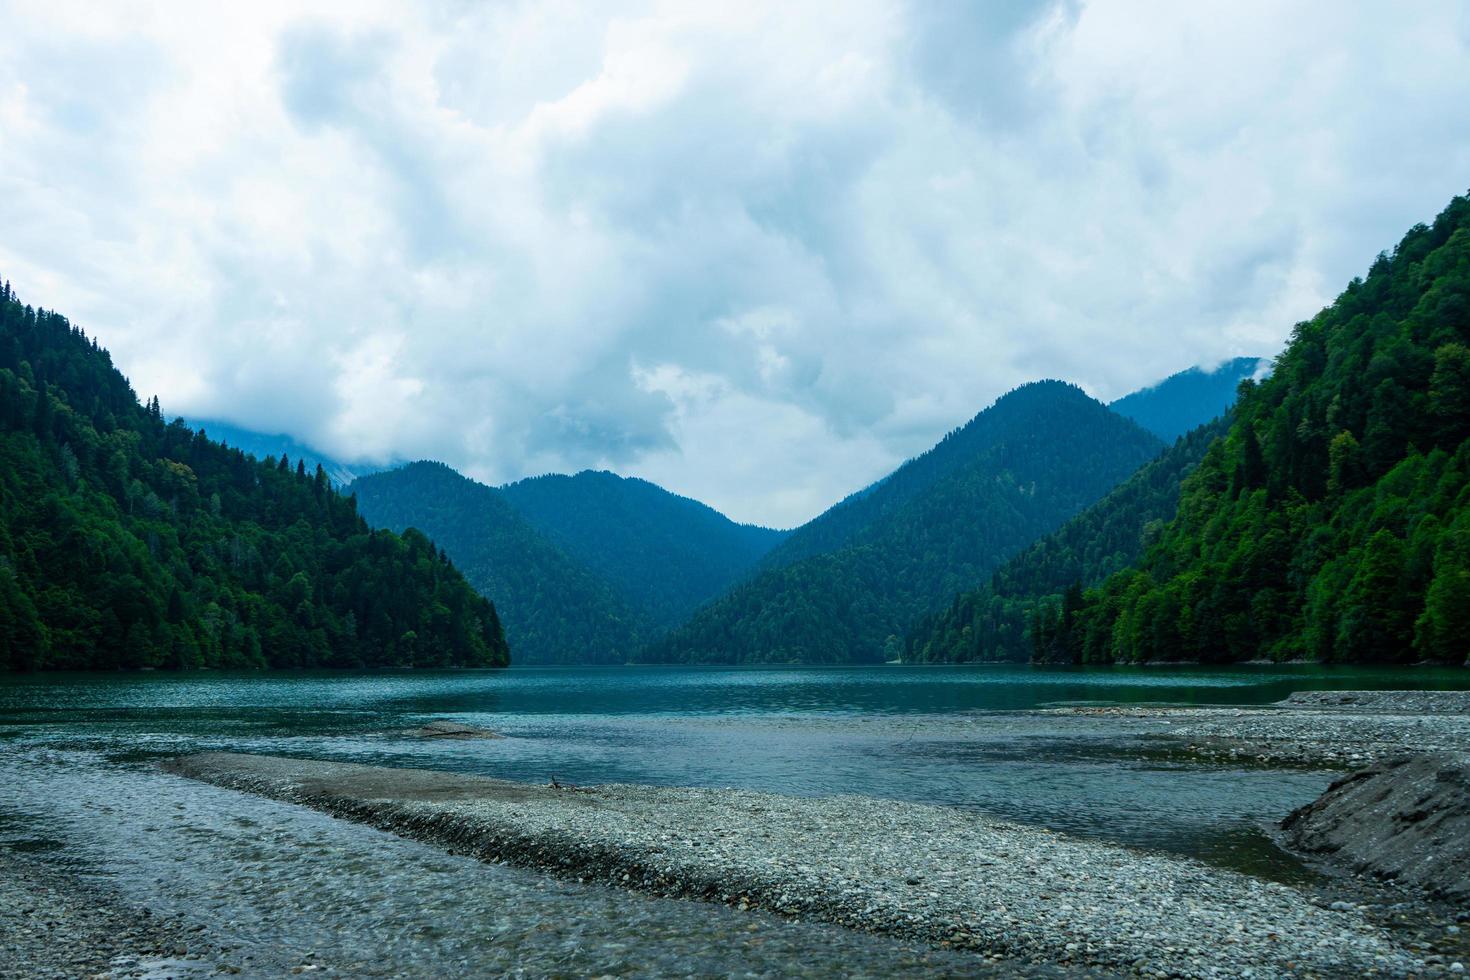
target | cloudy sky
[{"x": 756, "y": 252}]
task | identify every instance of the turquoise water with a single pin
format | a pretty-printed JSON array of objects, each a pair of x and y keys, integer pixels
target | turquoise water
[
  {"x": 959, "y": 736},
  {"x": 691, "y": 691},
  {"x": 78, "y": 785}
]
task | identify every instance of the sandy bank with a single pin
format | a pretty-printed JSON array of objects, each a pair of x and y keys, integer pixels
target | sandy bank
[{"x": 942, "y": 875}]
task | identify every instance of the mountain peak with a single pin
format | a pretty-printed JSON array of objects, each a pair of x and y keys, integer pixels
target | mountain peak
[{"x": 1190, "y": 398}]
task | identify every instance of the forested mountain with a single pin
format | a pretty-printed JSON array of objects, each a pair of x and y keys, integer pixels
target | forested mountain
[
  {"x": 1189, "y": 399},
  {"x": 1333, "y": 523},
  {"x": 1014, "y": 616},
  {"x": 126, "y": 541},
  {"x": 850, "y": 517},
  {"x": 939, "y": 524},
  {"x": 260, "y": 445},
  {"x": 664, "y": 553},
  {"x": 555, "y": 610}
]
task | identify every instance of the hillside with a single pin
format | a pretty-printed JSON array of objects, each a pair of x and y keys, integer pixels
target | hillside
[
  {"x": 665, "y": 554},
  {"x": 260, "y": 445},
  {"x": 1333, "y": 523},
  {"x": 554, "y": 609},
  {"x": 846, "y": 520},
  {"x": 939, "y": 524},
  {"x": 1189, "y": 399},
  {"x": 1169, "y": 409},
  {"x": 126, "y": 541},
  {"x": 1013, "y": 617}
]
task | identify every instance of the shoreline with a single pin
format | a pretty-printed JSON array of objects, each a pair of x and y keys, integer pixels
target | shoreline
[
  {"x": 1317, "y": 729},
  {"x": 948, "y": 877}
]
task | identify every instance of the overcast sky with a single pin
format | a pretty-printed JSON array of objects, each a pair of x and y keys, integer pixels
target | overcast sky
[{"x": 756, "y": 252}]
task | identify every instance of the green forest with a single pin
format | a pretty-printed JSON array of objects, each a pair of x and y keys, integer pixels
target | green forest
[
  {"x": 1013, "y": 616},
  {"x": 665, "y": 554},
  {"x": 938, "y": 524},
  {"x": 128, "y": 541},
  {"x": 1332, "y": 522},
  {"x": 556, "y": 611}
]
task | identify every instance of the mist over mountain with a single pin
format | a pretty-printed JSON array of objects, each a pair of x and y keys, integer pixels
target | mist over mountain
[
  {"x": 1184, "y": 401},
  {"x": 260, "y": 445}
]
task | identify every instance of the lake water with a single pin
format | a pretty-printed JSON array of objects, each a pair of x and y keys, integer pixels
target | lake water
[{"x": 77, "y": 782}]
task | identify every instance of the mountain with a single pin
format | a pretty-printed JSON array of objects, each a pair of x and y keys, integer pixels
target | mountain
[
  {"x": 938, "y": 524},
  {"x": 846, "y": 520},
  {"x": 1189, "y": 399},
  {"x": 1013, "y": 617},
  {"x": 665, "y": 554},
  {"x": 1333, "y": 522},
  {"x": 555, "y": 610},
  {"x": 260, "y": 446},
  {"x": 126, "y": 541}
]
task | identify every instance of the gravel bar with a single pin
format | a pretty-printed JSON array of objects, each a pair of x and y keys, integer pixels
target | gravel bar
[
  {"x": 55, "y": 924},
  {"x": 951, "y": 877},
  {"x": 1329, "y": 729}
]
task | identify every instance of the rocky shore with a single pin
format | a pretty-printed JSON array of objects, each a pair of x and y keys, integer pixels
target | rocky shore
[
  {"x": 1320, "y": 729},
  {"x": 945, "y": 876},
  {"x": 1406, "y": 821},
  {"x": 54, "y": 924}
]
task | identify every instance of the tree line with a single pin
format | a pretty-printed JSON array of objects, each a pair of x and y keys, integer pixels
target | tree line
[{"x": 129, "y": 541}]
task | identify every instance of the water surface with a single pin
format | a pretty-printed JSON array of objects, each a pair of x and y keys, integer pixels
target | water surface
[{"x": 78, "y": 785}]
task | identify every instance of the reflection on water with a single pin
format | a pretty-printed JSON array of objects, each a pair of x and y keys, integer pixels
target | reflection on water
[{"x": 76, "y": 783}]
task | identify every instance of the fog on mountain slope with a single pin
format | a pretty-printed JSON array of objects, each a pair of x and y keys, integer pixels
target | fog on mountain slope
[
  {"x": 260, "y": 445},
  {"x": 555, "y": 610},
  {"x": 938, "y": 524},
  {"x": 664, "y": 553},
  {"x": 126, "y": 541},
  {"x": 1184, "y": 401}
]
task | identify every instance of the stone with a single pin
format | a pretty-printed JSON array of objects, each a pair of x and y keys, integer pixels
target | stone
[
  {"x": 451, "y": 730},
  {"x": 1406, "y": 820}
]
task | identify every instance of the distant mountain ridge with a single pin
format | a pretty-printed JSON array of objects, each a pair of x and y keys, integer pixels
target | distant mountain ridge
[
  {"x": 593, "y": 567},
  {"x": 665, "y": 553},
  {"x": 845, "y": 587},
  {"x": 554, "y": 609},
  {"x": 1182, "y": 402}
]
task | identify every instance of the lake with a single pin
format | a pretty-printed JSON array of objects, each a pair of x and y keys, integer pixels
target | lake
[{"x": 78, "y": 785}]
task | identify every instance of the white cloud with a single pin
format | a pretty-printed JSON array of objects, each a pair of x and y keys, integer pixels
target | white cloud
[{"x": 757, "y": 252}]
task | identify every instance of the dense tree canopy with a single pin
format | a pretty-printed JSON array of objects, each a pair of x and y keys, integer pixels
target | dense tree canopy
[
  {"x": 556, "y": 611},
  {"x": 939, "y": 524},
  {"x": 663, "y": 553},
  {"x": 1333, "y": 522},
  {"x": 126, "y": 541},
  {"x": 1016, "y": 615}
]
